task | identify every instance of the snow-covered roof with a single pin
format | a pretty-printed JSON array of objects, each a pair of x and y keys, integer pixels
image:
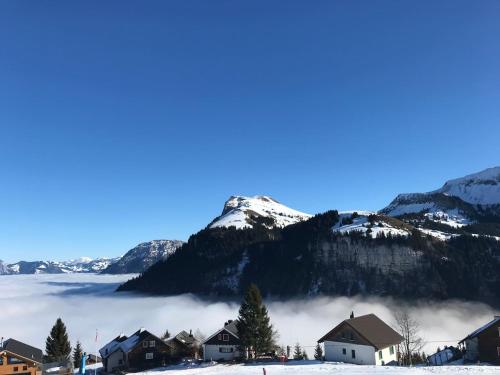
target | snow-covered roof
[{"x": 481, "y": 329}]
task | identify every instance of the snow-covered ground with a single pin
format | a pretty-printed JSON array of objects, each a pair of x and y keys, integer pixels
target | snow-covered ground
[{"x": 318, "y": 368}]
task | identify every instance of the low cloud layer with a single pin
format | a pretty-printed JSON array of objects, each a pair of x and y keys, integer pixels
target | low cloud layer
[{"x": 31, "y": 304}]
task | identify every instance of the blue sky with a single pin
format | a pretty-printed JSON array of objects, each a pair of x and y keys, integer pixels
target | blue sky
[{"x": 122, "y": 122}]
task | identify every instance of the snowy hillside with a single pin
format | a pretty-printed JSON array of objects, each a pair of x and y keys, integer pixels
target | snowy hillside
[
  {"x": 478, "y": 188},
  {"x": 370, "y": 224},
  {"x": 455, "y": 204},
  {"x": 243, "y": 212},
  {"x": 143, "y": 256},
  {"x": 81, "y": 265}
]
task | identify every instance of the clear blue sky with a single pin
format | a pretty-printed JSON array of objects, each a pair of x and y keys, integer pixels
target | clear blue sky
[{"x": 122, "y": 122}]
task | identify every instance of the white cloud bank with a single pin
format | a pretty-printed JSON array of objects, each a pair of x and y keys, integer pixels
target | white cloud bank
[{"x": 32, "y": 303}]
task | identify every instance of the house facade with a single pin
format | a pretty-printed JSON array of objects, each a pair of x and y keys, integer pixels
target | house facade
[
  {"x": 142, "y": 350},
  {"x": 483, "y": 344},
  {"x": 17, "y": 358},
  {"x": 184, "y": 345},
  {"x": 224, "y": 344},
  {"x": 365, "y": 340}
]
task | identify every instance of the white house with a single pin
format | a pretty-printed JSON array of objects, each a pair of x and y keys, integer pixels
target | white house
[
  {"x": 365, "y": 340},
  {"x": 223, "y": 345}
]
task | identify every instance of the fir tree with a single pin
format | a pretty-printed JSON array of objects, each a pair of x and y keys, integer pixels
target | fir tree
[
  {"x": 254, "y": 327},
  {"x": 318, "y": 352},
  {"x": 77, "y": 355},
  {"x": 304, "y": 355},
  {"x": 297, "y": 351},
  {"x": 57, "y": 345},
  {"x": 166, "y": 335}
]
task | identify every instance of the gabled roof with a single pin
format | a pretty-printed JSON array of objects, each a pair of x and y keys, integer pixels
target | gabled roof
[
  {"x": 230, "y": 326},
  {"x": 112, "y": 345},
  {"x": 124, "y": 343},
  {"x": 22, "y": 350},
  {"x": 185, "y": 338},
  {"x": 481, "y": 329},
  {"x": 372, "y": 329}
]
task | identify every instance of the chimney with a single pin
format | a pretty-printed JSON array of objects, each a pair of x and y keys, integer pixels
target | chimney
[
  {"x": 190, "y": 333},
  {"x": 352, "y": 315}
]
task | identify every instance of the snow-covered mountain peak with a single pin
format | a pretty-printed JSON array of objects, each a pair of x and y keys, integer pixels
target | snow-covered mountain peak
[
  {"x": 143, "y": 256},
  {"x": 478, "y": 188},
  {"x": 242, "y": 212}
]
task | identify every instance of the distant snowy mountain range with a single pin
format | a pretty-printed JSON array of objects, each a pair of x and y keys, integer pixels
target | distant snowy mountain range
[
  {"x": 135, "y": 260},
  {"x": 81, "y": 265},
  {"x": 444, "y": 213},
  {"x": 143, "y": 256}
]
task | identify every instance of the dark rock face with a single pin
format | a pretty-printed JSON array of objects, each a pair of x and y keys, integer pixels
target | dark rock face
[{"x": 308, "y": 258}]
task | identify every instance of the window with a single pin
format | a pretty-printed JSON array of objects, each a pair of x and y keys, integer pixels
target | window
[
  {"x": 152, "y": 343},
  {"x": 1, "y": 360},
  {"x": 498, "y": 351},
  {"x": 219, "y": 337},
  {"x": 344, "y": 351},
  {"x": 351, "y": 336},
  {"x": 25, "y": 368},
  {"x": 120, "y": 362},
  {"x": 353, "y": 353},
  {"x": 380, "y": 354},
  {"x": 149, "y": 355},
  {"x": 144, "y": 344},
  {"x": 15, "y": 369},
  {"x": 225, "y": 337},
  {"x": 223, "y": 349},
  {"x": 391, "y": 350},
  {"x": 343, "y": 335},
  {"x": 13, "y": 360}
]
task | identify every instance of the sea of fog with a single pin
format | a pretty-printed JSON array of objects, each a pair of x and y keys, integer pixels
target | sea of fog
[{"x": 30, "y": 304}]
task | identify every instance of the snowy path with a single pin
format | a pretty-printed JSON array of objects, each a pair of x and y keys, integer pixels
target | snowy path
[{"x": 316, "y": 368}]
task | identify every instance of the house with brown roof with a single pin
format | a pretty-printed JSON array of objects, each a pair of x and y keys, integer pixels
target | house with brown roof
[
  {"x": 142, "y": 350},
  {"x": 484, "y": 343},
  {"x": 365, "y": 340},
  {"x": 17, "y": 358}
]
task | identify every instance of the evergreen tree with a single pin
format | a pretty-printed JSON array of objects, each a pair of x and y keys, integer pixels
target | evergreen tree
[
  {"x": 77, "y": 355},
  {"x": 297, "y": 351},
  {"x": 57, "y": 345},
  {"x": 304, "y": 355},
  {"x": 318, "y": 352},
  {"x": 254, "y": 327},
  {"x": 166, "y": 335}
]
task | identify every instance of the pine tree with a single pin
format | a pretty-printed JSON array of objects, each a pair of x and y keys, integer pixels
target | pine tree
[
  {"x": 297, "y": 351},
  {"x": 304, "y": 355},
  {"x": 166, "y": 335},
  {"x": 57, "y": 345},
  {"x": 254, "y": 327},
  {"x": 318, "y": 352},
  {"x": 77, "y": 355}
]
